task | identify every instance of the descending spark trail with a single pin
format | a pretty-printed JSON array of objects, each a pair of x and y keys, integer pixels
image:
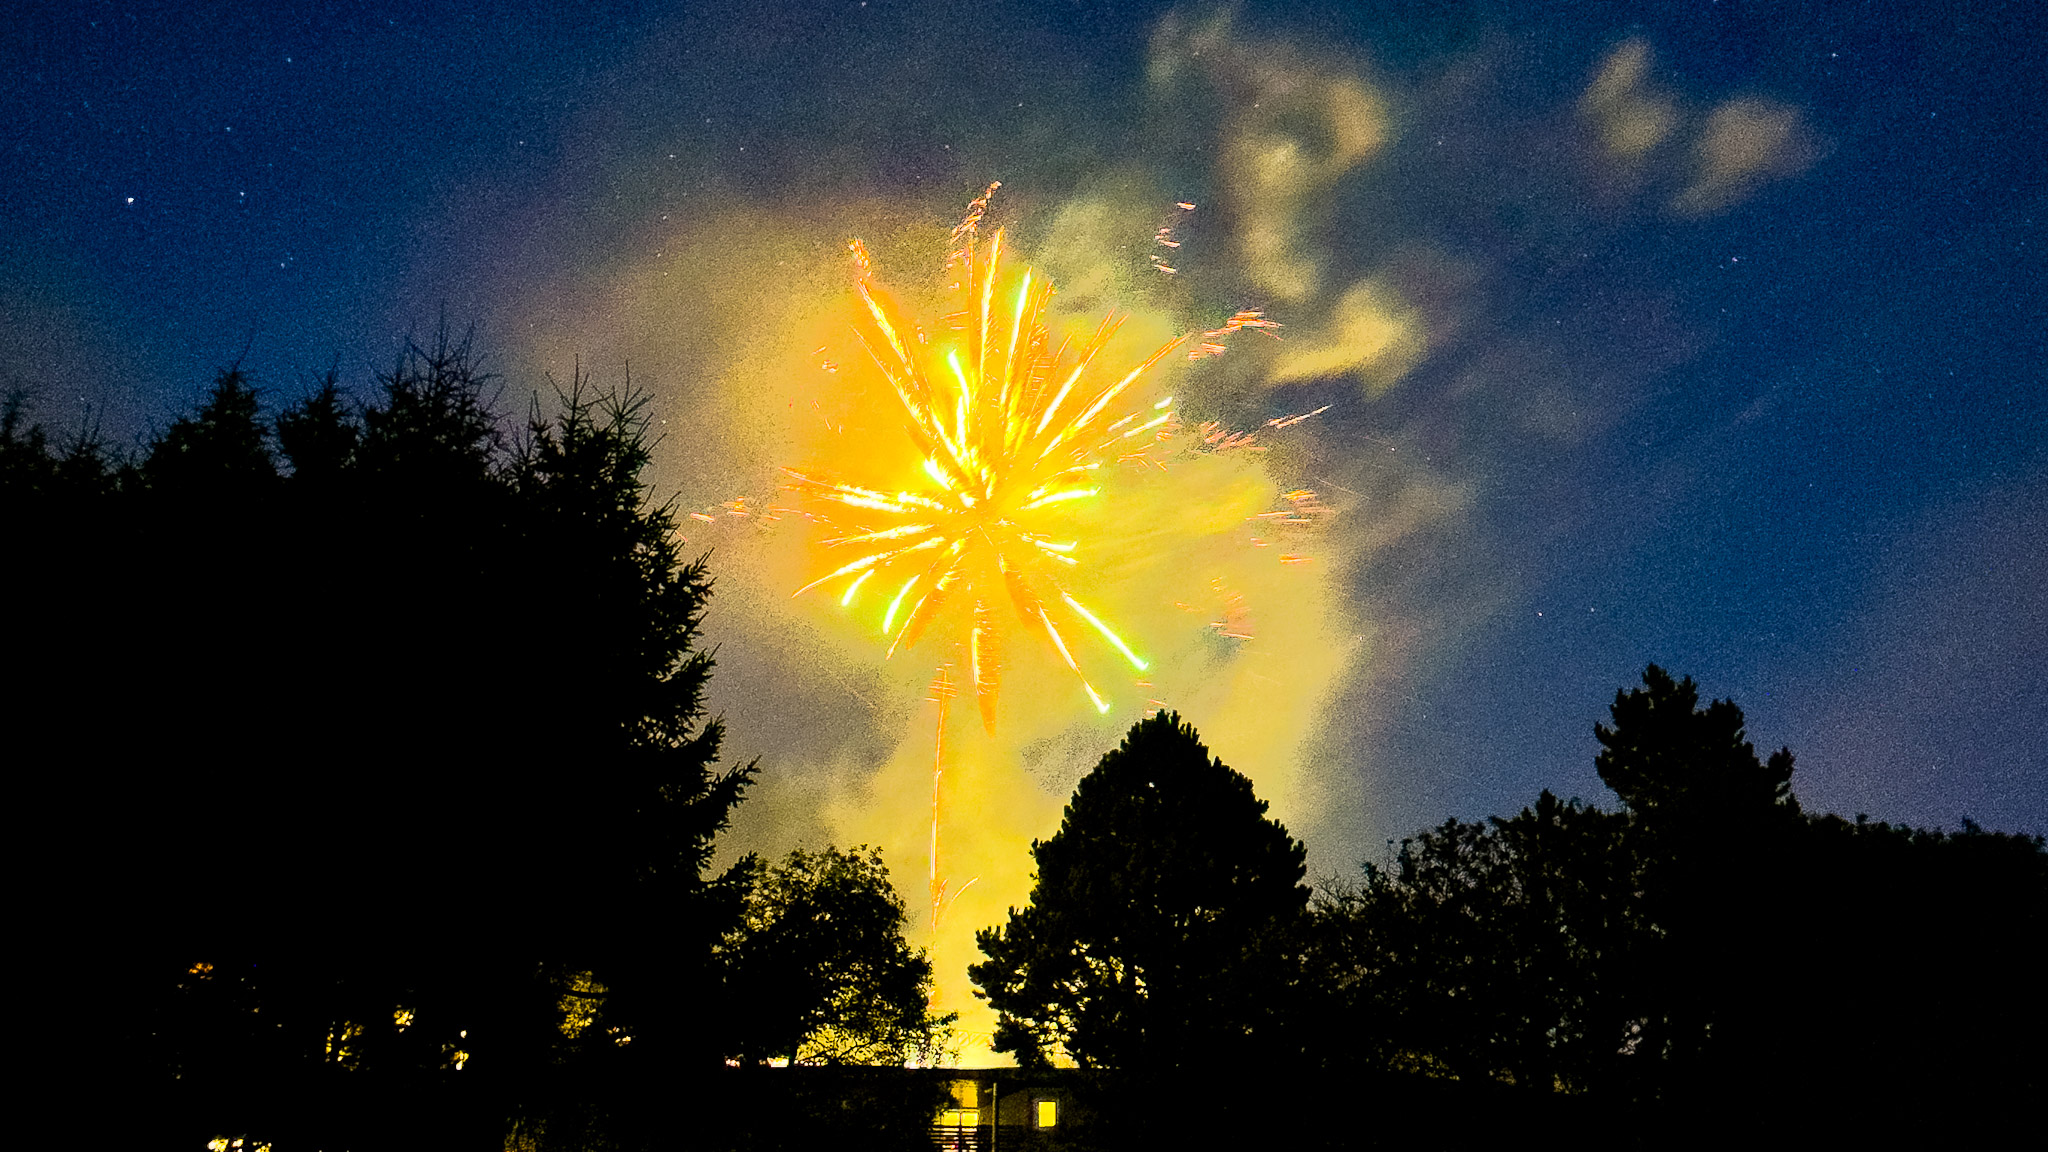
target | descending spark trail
[
  {"x": 942, "y": 694},
  {"x": 1010, "y": 431}
]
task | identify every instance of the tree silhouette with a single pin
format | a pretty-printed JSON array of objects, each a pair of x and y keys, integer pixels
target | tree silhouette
[
  {"x": 1702, "y": 948},
  {"x": 354, "y": 758},
  {"x": 1490, "y": 951},
  {"x": 819, "y": 972},
  {"x": 625, "y": 682},
  {"x": 27, "y": 467},
  {"x": 1714, "y": 831},
  {"x": 1163, "y": 919},
  {"x": 317, "y": 436},
  {"x": 1681, "y": 768},
  {"x": 221, "y": 454}
]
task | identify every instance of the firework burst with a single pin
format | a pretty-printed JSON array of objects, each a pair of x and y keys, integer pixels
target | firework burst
[{"x": 1008, "y": 433}]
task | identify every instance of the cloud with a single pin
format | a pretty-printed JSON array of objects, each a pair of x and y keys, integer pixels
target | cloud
[
  {"x": 1735, "y": 147},
  {"x": 1744, "y": 144},
  {"x": 1630, "y": 114},
  {"x": 1292, "y": 130},
  {"x": 1371, "y": 334}
]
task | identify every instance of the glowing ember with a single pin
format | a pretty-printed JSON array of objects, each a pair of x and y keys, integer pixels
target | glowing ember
[
  {"x": 1164, "y": 239},
  {"x": 1010, "y": 432}
]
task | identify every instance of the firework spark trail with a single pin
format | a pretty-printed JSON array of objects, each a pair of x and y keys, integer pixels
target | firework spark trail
[
  {"x": 942, "y": 693},
  {"x": 938, "y": 885},
  {"x": 1291, "y": 421}
]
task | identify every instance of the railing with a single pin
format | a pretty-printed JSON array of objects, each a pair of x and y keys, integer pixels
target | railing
[
  {"x": 960, "y": 1138},
  {"x": 1014, "y": 1138}
]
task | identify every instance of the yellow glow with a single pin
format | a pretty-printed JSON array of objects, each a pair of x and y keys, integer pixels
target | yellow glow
[
  {"x": 1048, "y": 1113},
  {"x": 578, "y": 1005},
  {"x": 1148, "y": 552},
  {"x": 748, "y": 322}
]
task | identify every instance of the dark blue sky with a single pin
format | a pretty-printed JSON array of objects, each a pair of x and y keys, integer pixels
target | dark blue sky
[{"x": 1795, "y": 446}]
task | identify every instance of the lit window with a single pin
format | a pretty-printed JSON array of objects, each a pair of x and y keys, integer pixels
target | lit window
[
  {"x": 960, "y": 1118},
  {"x": 1048, "y": 1113}
]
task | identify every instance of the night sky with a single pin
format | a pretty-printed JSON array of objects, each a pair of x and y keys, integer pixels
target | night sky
[{"x": 1731, "y": 362}]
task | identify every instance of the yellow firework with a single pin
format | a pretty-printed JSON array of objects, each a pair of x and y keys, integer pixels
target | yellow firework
[{"x": 1008, "y": 434}]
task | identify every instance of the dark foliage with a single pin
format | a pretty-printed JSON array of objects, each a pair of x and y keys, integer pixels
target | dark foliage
[
  {"x": 317, "y": 437},
  {"x": 219, "y": 457},
  {"x": 1703, "y": 950},
  {"x": 1490, "y": 951},
  {"x": 1160, "y": 917},
  {"x": 1161, "y": 940},
  {"x": 1682, "y": 769},
  {"x": 821, "y": 964},
  {"x": 355, "y": 747}
]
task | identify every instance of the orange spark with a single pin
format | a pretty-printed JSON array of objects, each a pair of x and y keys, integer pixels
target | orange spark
[
  {"x": 1164, "y": 238},
  {"x": 1236, "y": 623},
  {"x": 1210, "y": 341},
  {"x": 1291, "y": 421}
]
